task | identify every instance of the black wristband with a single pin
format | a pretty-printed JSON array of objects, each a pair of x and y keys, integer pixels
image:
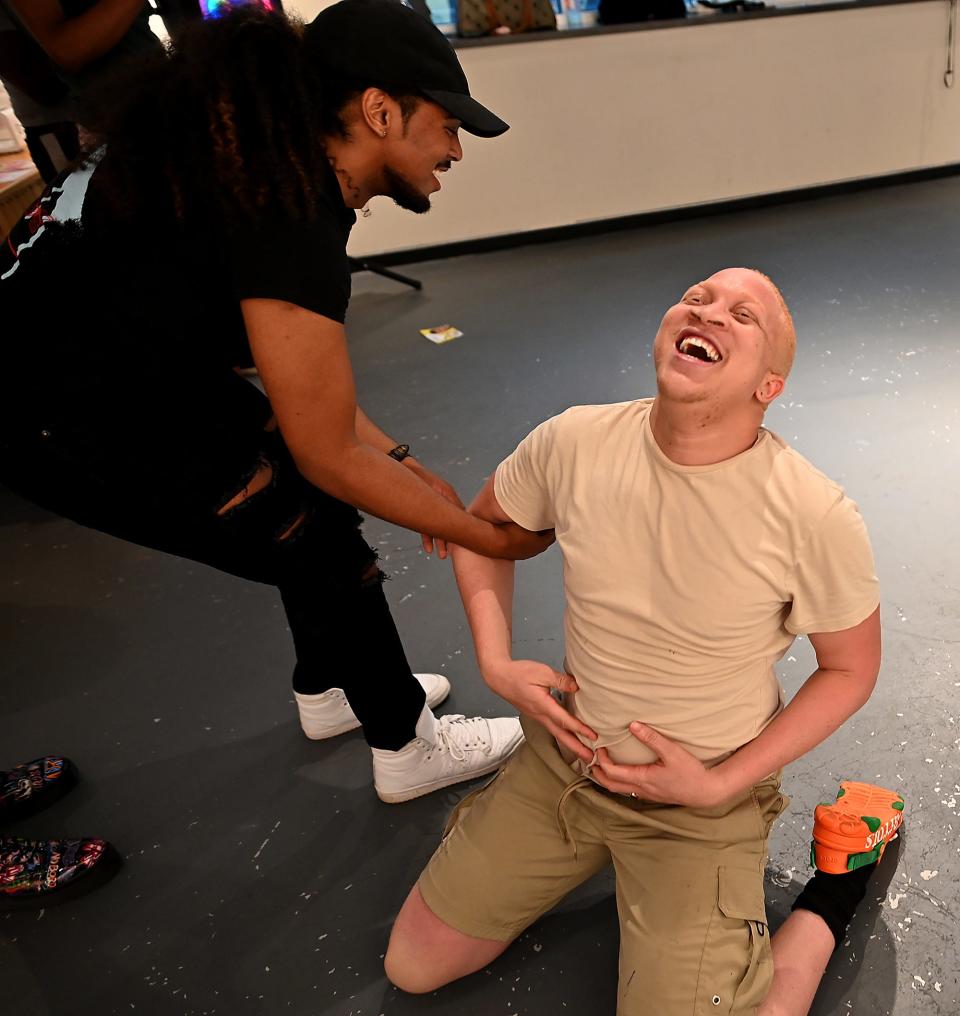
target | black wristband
[{"x": 400, "y": 452}]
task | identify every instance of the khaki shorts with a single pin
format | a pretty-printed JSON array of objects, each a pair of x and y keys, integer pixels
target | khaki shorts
[{"x": 693, "y": 928}]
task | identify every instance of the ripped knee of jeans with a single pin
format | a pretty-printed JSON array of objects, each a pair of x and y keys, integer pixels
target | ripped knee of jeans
[{"x": 259, "y": 481}]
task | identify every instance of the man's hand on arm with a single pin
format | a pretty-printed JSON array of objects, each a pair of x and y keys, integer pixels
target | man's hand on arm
[
  {"x": 486, "y": 587},
  {"x": 369, "y": 433},
  {"x": 444, "y": 489},
  {"x": 303, "y": 362},
  {"x": 848, "y": 664}
]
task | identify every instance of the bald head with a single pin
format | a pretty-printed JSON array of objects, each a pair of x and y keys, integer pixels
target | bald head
[
  {"x": 783, "y": 336},
  {"x": 784, "y": 342}
]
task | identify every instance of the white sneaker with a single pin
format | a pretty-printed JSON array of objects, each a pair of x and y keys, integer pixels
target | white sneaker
[
  {"x": 328, "y": 714},
  {"x": 446, "y": 750}
]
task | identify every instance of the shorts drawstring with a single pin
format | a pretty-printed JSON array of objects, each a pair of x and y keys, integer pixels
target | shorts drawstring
[{"x": 577, "y": 784}]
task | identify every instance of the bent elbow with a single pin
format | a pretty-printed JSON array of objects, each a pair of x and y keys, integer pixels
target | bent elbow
[
  {"x": 69, "y": 63},
  {"x": 66, "y": 54},
  {"x": 330, "y": 473}
]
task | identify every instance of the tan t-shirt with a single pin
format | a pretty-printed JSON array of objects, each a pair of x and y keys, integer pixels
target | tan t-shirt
[{"x": 685, "y": 584}]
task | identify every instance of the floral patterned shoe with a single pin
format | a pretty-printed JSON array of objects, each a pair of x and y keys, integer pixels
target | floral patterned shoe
[
  {"x": 41, "y": 873},
  {"x": 30, "y": 786}
]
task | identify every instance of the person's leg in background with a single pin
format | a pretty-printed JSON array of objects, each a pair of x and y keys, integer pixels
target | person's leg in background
[
  {"x": 351, "y": 668},
  {"x": 333, "y": 680},
  {"x": 53, "y": 147},
  {"x": 268, "y": 525}
]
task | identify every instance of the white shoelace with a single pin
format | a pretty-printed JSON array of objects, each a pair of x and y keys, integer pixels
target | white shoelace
[{"x": 457, "y": 729}]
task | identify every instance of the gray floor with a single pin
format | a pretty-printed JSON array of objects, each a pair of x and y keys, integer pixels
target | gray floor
[{"x": 262, "y": 873}]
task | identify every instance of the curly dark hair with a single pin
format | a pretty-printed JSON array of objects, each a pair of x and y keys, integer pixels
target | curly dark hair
[{"x": 226, "y": 126}]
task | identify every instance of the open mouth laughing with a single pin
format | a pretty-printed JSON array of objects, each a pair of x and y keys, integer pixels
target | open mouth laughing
[{"x": 694, "y": 345}]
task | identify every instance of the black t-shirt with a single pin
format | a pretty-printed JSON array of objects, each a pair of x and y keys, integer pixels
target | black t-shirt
[{"x": 148, "y": 292}]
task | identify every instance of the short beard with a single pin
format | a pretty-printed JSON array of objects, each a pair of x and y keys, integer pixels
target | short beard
[{"x": 403, "y": 194}]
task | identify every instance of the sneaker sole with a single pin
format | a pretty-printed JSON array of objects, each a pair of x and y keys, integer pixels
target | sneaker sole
[
  {"x": 428, "y": 788},
  {"x": 855, "y": 829},
  {"x": 440, "y": 695},
  {"x": 109, "y": 864},
  {"x": 329, "y": 732}
]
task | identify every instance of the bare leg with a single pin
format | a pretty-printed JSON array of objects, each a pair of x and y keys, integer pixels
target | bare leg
[
  {"x": 804, "y": 943},
  {"x": 425, "y": 953},
  {"x": 802, "y": 948}
]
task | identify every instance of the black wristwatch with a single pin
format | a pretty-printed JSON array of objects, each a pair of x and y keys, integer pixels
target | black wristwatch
[{"x": 400, "y": 452}]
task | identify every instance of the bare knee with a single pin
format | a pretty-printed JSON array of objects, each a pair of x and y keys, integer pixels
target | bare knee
[
  {"x": 409, "y": 962},
  {"x": 425, "y": 953},
  {"x": 407, "y": 976}
]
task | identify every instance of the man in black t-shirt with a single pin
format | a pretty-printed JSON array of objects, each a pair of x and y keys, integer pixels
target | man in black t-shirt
[{"x": 211, "y": 226}]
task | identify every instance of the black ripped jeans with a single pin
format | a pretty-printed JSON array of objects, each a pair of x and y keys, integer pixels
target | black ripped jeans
[{"x": 137, "y": 453}]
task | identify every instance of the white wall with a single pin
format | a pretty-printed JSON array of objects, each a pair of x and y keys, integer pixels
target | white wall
[
  {"x": 617, "y": 124},
  {"x": 306, "y": 9}
]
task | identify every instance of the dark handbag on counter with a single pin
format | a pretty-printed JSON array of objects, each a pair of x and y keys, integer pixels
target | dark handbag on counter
[
  {"x": 484, "y": 17},
  {"x": 622, "y": 12}
]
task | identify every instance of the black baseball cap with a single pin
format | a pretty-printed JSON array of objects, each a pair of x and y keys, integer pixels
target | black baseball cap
[{"x": 385, "y": 42}]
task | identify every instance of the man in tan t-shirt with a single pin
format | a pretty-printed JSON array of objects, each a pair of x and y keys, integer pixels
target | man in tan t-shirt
[{"x": 696, "y": 546}]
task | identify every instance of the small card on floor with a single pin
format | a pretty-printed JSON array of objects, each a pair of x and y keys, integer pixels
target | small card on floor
[{"x": 441, "y": 334}]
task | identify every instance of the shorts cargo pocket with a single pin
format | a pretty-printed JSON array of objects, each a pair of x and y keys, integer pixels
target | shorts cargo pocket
[{"x": 737, "y": 966}]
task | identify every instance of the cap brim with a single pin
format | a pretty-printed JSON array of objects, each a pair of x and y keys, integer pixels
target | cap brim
[{"x": 476, "y": 119}]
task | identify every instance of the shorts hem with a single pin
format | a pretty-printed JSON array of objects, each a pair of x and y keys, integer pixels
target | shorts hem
[{"x": 441, "y": 908}]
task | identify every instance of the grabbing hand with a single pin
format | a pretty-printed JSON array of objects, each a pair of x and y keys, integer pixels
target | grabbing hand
[
  {"x": 514, "y": 543},
  {"x": 526, "y": 684},
  {"x": 677, "y": 777},
  {"x": 444, "y": 489}
]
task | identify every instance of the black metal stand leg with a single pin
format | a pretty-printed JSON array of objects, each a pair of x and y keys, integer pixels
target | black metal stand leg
[{"x": 362, "y": 265}]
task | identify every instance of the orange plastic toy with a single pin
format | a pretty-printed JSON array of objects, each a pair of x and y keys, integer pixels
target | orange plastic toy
[{"x": 856, "y": 828}]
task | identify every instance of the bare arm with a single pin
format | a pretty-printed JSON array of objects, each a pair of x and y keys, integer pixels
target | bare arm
[
  {"x": 73, "y": 43},
  {"x": 848, "y": 664},
  {"x": 369, "y": 433},
  {"x": 305, "y": 368},
  {"x": 486, "y": 588}
]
